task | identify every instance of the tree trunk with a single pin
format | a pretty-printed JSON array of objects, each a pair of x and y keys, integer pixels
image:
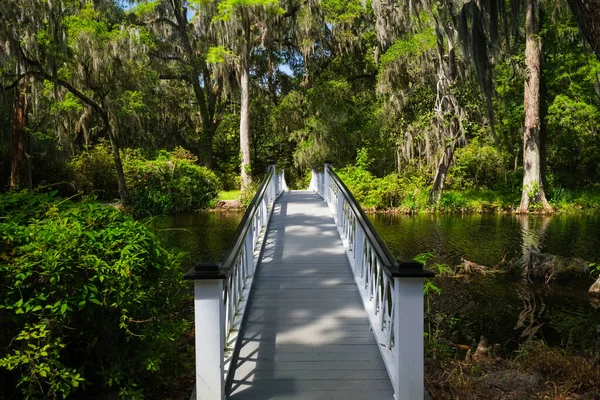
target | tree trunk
[
  {"x": 122, "y": 185},
  {"x": 245, "y": 126},
  {"x": 19, "y": 124},
  {"x": 587, "y": 14},
  {"x": 206, "y": 141},
  {"x": 533, "y": 188},
  {"x": 440, "y": 176}
]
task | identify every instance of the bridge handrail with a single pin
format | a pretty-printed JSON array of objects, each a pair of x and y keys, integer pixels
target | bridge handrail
[
  {"x": 391, "y": 266},
  {"x": 391, "y": 291},
  {"x": 221, "y": 290}
]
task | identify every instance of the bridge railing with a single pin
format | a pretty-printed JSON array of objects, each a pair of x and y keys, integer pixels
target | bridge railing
[
  {"x": 221, "y": 291},
  {"x": 392, "y": 291}
]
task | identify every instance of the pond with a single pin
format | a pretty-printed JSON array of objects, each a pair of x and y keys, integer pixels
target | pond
[{"x": 504, "y": 307}]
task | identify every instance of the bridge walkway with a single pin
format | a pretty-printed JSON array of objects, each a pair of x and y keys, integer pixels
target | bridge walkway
[{"x": 306, "y": 333}]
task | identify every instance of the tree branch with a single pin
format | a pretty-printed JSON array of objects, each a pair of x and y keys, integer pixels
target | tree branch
[
  {"x": 14, "y": 84},
  {"x": 163, "y": 20},
  {"x": 80, "y": 95}
]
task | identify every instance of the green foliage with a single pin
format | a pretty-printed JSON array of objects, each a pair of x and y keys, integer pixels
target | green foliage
[
  {"x": 477, "y": 166},
  {"x": 88, "y": 298},
  {"x": 166, "y": 183},
  {"x": 93, "y": 172},
  {"x": 594, "y": 269},
  {"x": 437, "y": 324},
  {"x": 414, "y": 45},
  {"x": 169, "y": 183},
  {"x": 218, "y": 54},
  {"x": 227, "y": 8},
  {"x": 409, "y": 193}
]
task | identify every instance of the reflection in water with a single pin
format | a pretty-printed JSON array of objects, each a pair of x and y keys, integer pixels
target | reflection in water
[
  {"x": 505, "y": 308},
  {"x": 530, "y": 316},
  {"x": 533, "y": 230}
]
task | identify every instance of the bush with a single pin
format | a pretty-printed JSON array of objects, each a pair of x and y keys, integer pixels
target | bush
[
  {"x": 409, "y": 193},
  {"x": 168, "y": 184},
  {"x": 87, "y": 298},
  {"x": 93, "y": 172},
  {"x": 477, "y": 166}
]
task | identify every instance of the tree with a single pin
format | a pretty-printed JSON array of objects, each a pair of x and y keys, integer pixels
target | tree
[
  {"x": 19, "y": 126},
  {"x": 587, "y": 13},
  {"x": 533, "y": 193},
  {"x": 70, "y": 51},
  {"x": 15, "y": 22},
  {"x": 182, "y": 56},
  {"x": 243, "y": 24}
]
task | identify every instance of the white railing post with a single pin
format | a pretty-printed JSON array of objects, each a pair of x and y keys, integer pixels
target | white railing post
[
  {"x": 209, "y": 324},
  {"x": 274, "y": 183},
  {"x": 408, "y": 370},
  {"x": 313, "y": 181},
  {"x": 340, "y": 208},
  {"x": 359, "y": 248},
  {"x": 326, "y": 179},
  {"x": 321, "y": 183}
]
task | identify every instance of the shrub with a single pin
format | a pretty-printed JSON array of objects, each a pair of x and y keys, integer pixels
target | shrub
[
  {"x": 477, "y": 166},
  {"x": 410, "y": 193},
  {"x": 165, "y": 183},
  {"x": 93, "y": 172},
  {"x": 88, "y": 297},
  {"x": 170, "y": 183}
]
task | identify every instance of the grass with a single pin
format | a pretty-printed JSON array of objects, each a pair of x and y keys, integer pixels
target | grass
[{"x": 229, "y": 195}]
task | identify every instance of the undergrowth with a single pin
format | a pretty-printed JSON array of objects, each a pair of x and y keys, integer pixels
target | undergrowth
[{"x": 89, "y": 302}]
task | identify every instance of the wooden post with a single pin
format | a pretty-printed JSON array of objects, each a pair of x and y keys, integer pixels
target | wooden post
[
  {"x": 209, "y": 323},
  {"x": 408, "y": 370}
]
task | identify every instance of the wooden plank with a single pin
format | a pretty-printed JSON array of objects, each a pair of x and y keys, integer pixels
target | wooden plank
[
  {"x": 307, "y": 335},
  {"x": 300, "y": 374},
  {"x": 314, "y": 395}
]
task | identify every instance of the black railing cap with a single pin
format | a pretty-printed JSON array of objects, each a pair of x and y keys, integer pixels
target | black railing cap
[
  {"x": 410, "y": 269},
  {"x": 206, "y": 271}
]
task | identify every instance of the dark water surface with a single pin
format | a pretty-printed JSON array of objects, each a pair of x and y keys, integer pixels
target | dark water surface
[
  {"x": 202, "y": 236},
  {"x": 504, "y": 307}
]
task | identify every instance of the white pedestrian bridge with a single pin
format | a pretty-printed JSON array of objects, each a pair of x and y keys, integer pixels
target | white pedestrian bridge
[{"x": 308, "y": 303}]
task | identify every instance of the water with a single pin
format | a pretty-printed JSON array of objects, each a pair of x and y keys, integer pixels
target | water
[
  {"x": 504, "y": 307},
  {"x": 203, "y": 236}
]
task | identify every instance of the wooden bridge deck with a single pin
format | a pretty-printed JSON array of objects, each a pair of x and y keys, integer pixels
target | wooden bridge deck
[{"x": 306, "y": 334}]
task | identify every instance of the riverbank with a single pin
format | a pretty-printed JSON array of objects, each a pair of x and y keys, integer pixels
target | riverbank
[
  {"x": 398, "y": 199},
  {"x": 483, "y": 201},
  {"x": 534, "y": 371},
  {"x": 410, "y": 195}
]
